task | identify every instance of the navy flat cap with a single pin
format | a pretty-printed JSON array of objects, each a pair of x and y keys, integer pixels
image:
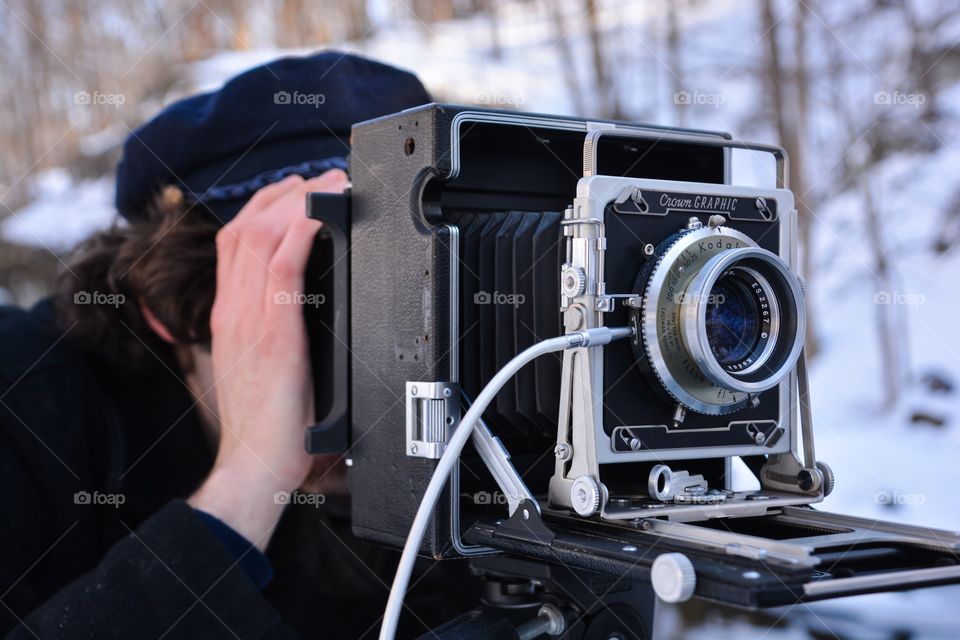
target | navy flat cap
[{"x": 292, "y": 115}]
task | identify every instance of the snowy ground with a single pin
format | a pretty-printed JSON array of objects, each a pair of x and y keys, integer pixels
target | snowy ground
[{"x": 887, "y": 466}]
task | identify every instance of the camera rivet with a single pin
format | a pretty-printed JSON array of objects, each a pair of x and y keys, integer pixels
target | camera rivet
[
  {"x": 413, "y": 390},
  {"x": 413, "y": 448},
  {"x": 526, "y": 514},
  {"x": 447, "y": 392},
  {"x": 648, "y": 249},
  {"x": 760, "y": 438}
]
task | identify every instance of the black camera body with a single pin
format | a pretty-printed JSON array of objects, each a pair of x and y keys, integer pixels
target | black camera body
[
  {"x": 470, "y": 234},
  {"x": 449, "y": 205}
]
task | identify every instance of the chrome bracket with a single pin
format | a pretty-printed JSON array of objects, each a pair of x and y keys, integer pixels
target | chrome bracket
[{"x": 433, "y": 410}]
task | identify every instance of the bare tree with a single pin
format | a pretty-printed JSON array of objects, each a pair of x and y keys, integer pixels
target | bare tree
[
  {"x": 561, "y": 41},
  {"x": 674, "y": 63},
  {"x": 856, "y": 169},
  {"x": 606, "y": 89}
]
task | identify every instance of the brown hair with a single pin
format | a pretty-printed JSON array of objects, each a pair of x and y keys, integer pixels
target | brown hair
[{"x": 167, "y": 260}]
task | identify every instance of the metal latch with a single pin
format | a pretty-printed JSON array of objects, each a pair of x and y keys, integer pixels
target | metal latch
[{"x": 433, "y": 410}]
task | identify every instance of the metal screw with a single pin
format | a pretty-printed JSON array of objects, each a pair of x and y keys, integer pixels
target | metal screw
[
  {"x": 447, "y": 392},
  {"x": 413, "y": 390},
  {"x": 562, "y": 451},
  {"x": 413, "y": 448},
  {"x": 648, "y": 249},
  {"x": 762, "y": 207},
  {"x": 760, "y": 438}
]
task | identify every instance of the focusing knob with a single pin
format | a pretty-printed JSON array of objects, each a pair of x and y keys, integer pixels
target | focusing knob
[
  {"x": 829, "y": 479},
  {"x": 673, "y": 577},
  {"x": 585, "y": 496},
  {"x": 573, "y": 281}
]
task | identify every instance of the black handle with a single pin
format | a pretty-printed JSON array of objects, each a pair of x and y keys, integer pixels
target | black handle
[{"x": 328, "y": 322}]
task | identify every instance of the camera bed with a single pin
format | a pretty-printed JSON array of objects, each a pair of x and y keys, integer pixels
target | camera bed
[{"x": 794, "y": 554}]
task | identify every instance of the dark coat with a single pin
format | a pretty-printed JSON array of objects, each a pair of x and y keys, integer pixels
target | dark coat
[{"x": 75, "y": 432}]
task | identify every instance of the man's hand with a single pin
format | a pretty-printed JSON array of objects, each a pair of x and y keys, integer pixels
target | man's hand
[{"x": 260, "y": 362}]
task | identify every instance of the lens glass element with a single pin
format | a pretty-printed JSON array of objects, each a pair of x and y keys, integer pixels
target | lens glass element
[{"x": 734, "y": 321}]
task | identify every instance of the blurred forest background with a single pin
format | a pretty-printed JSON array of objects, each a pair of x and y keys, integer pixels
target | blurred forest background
[{"x": 863, "y": 95}]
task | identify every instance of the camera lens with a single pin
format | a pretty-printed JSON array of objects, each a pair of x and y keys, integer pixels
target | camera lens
[{"x": 722, "y": 320}]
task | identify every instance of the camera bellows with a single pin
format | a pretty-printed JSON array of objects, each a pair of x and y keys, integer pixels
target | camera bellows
[{"x": 509, "y": 300}]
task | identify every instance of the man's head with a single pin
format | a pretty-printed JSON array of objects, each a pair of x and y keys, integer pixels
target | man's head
[{"x": 190, "y": 170}]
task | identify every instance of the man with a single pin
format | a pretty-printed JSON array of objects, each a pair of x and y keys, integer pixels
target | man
[{"x": 152, "y": 414}]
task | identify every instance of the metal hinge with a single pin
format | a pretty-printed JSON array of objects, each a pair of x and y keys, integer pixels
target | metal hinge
[{"x": 433, "y": 410}]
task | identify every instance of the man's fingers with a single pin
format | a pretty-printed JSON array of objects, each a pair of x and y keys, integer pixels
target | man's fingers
[
  {"x": 229, "y": 238},
  {"x": 288, "y": 264},
  {"x": 263, "y": 231},
  {"x": 289, "y": 261},
  {"x": 265, "y": 249},
  {"x": 266, "y": 196}
]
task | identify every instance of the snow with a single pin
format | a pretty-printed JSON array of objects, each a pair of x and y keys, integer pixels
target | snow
[{"x": 63, "y": 213}]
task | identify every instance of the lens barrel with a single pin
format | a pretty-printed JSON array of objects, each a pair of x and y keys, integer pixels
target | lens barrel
[
  {"x": 722, "y": 319},
  {"x": 749, "y": 339}
]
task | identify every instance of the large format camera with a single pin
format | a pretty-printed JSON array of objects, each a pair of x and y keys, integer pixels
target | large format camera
[{"x": 470, "y": 235}]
